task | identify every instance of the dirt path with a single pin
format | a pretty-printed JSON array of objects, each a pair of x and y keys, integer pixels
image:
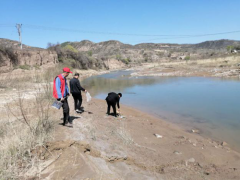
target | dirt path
[{"x": 105, "y": 147}]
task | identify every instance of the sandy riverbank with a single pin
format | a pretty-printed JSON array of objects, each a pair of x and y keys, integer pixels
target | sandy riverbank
[
  {"x": 104, "y": 147},
  {"x": 226, "y": 67}
]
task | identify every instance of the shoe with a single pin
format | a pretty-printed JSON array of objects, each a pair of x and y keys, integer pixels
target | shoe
[
  {"x": 82, "y": 108},
  {"x": 79, "y": 111},
  {"x": 65, "y": 124}
]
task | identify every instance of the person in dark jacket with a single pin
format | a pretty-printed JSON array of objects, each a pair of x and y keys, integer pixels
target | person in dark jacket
[
  {"x": 112, "y": 100},
  {"x": 75, "y": 89}
]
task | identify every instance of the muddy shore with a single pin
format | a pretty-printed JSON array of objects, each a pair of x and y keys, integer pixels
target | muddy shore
[{"x": 136, "y": 146}]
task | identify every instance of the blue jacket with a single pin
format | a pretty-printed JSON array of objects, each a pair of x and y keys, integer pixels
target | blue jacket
[{"x": 58, "y": 85}]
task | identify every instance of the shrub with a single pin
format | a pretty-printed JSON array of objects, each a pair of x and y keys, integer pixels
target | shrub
[
  {"x": 64, "y": 44},
  {"x": 25, "y": 67},
  {"x": 125, "y": 61},
  {"x": 89, "y": 53},
  {"x": 36, "y": 66},
  {"x": 118, "y": 57},
  {"x": 69, "y": 56},
  {"x": 70, "y": 48},
  {"x": 229, "y": 48},
  {"x": 187, "y": 58}
]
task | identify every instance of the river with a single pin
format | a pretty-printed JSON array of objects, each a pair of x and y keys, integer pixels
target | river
[{"x": 208, "y": 104}]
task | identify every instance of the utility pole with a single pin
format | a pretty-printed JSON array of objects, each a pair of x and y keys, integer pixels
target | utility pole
[{"x": 19, "y": 28}]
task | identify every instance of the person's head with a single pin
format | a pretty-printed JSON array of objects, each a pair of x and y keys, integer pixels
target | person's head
[
  {"x": 66, "y": 71},
  {"x": 120, "y": 94},
  {"x": 76, "y": 75}
]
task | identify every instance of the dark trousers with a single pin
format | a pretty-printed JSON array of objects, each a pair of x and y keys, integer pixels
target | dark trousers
[
  {"x": 77, "y": 100},
  {"x": 113, "y": 107},
  {"x": 66, "y": 117}
]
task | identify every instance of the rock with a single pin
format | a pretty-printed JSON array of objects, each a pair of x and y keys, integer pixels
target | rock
[
  {"x": 191, "y": 160},
  {"x": 177, "y": 153},
  {"x": 158, "y": 136},
  {"x": 206, "y": 172},
  {"x": 224, "y": 143},
  {"x": 181, "y": 137},
  {"x": 195, "y": 130},
  {"x": 42, "y": 157}
]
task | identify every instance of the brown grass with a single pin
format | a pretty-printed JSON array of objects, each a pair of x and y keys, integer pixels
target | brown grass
[{"x": 25, "y": 125}]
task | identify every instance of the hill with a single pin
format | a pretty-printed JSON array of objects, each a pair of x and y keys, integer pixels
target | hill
[
  {"x": 11, "y": 56},
  {"x": 108, "y": 54},
  {"x": 151, "y": 52}
]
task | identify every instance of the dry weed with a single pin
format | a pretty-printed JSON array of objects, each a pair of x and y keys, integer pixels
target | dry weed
[{"x": 26, "y": 125}]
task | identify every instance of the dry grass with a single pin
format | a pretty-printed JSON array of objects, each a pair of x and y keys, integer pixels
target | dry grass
[{"x": 25, "y": 125}]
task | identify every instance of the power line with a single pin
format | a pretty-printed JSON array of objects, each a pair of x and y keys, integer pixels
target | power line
[
  {"x": 190, "y": 36},
  {"x": 125, "y": 34},
  {"x": 161, "y": 36},
  {"x": 6, "y": 26},
  {"x": 91, "y": 32}
]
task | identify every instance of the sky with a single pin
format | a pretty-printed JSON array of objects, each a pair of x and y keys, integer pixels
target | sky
[{"x": 128, "y": 21}]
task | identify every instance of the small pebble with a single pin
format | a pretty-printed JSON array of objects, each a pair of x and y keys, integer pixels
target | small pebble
[
  {"x": 176, "y": 152},
  {"x": 191, "y": 160},
  {"x": 158, "y": 136}
]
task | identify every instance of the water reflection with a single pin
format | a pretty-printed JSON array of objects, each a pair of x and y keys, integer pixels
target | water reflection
[{"x": 117, "y": 82}]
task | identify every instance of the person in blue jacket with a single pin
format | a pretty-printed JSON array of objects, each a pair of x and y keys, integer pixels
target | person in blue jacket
[{"x": 61, "y": 93}]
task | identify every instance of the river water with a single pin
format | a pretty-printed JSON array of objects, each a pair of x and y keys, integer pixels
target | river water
[{"x": 209, "y": 104}]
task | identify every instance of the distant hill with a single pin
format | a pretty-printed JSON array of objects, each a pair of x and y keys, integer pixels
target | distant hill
[
  {"x": 147, "y": 52},
  {"x": 219, "y": 44},
  {"x": 86, "y": 54}
]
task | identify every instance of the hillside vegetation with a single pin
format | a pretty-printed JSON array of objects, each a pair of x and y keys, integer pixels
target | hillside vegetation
[
  {"x": 151, "y": 52},
  {"x": 89, "y": 55}
]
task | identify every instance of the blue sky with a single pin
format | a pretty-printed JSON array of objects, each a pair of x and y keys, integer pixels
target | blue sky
[{"x": 106, "y": 19}]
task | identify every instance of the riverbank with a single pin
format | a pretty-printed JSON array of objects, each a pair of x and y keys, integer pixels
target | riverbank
[
  {"x": 137, "y": 146},
  {"x": 225, "y": 67}
]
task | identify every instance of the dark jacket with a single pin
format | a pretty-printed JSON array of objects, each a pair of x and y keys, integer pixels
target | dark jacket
[
  {"x": 113, "y": 98},
  {"x": 75, "y": 86}
]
